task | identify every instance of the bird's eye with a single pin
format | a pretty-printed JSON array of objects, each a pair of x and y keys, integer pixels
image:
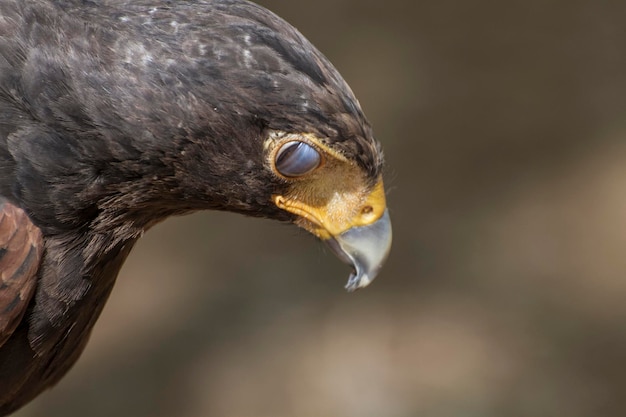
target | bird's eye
[{"x": 296, "y": 158}]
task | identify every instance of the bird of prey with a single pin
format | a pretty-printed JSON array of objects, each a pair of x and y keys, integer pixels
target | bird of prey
[{"x": 115, "y": 114}]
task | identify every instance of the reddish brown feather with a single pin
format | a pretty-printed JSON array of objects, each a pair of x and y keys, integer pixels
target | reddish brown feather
[{"x": 21, "y": 245}]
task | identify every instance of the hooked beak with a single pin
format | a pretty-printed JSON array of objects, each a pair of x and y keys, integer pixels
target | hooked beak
[
  {"x": 356, "y": 226},
  {"x": 366, "y": 248}
]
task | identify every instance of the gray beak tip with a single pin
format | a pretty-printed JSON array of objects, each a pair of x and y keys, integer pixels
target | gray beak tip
[
  {"x": 366, "y": 248},
  {"x": 357, "y": 281}
]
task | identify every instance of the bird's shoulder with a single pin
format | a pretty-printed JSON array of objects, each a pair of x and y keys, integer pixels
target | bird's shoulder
[{"x": 21, "y": 246}]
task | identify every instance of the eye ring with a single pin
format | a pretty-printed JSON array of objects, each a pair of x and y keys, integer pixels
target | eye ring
[{"x": 296, "y": 158}]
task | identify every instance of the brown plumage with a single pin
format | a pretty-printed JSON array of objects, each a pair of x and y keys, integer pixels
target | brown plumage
[{"x": 116, "y": 114}]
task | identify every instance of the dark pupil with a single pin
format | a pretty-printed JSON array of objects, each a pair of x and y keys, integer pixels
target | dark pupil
[{"x": 297, "y": 158}]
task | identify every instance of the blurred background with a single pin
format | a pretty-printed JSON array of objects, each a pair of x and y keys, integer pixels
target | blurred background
[{"x": 504, "y": 126}]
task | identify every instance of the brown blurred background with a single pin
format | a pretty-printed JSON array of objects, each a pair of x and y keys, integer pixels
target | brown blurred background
[{"x": 504, "y": 126}]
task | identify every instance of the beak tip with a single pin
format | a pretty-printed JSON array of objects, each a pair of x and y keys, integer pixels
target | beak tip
[
  {"x": 366, "y": 248},
  {"x": 357, "y": 281}
]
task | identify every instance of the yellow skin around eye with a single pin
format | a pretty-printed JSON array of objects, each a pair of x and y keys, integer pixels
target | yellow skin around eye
[{"x": 332, "y": 198}]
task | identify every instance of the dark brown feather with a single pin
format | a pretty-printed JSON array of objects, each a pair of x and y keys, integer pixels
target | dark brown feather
[{"x": 115, "y": 114}]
